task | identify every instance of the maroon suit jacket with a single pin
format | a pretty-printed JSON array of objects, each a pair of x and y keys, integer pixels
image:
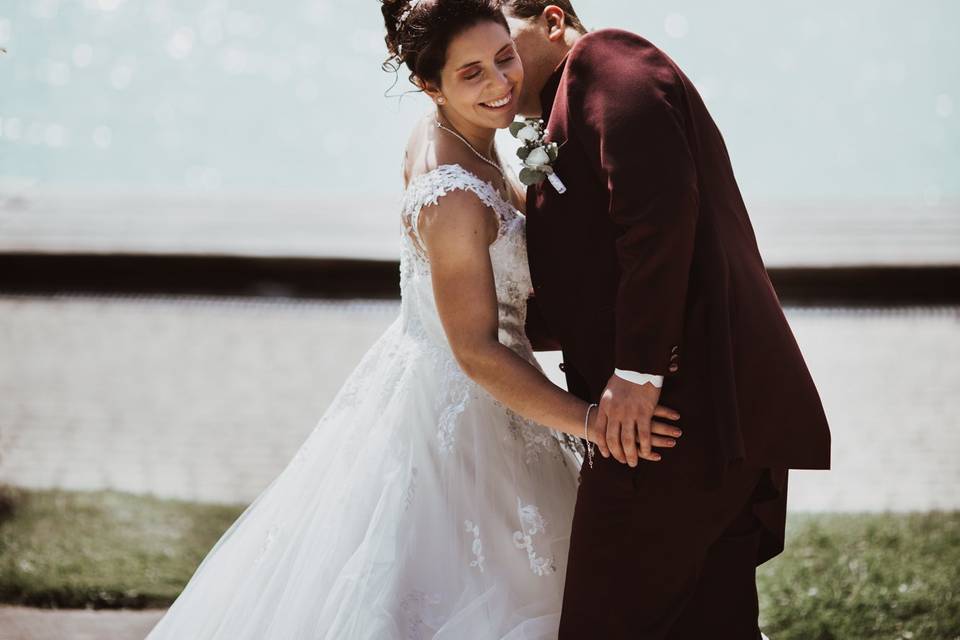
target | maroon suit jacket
[{"x": 649, "y": 262}]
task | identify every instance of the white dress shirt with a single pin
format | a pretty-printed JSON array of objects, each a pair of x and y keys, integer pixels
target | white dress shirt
[{"x": 639, "y": 378}]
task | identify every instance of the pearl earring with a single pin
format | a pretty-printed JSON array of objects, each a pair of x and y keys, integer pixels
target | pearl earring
[{"x": 441, "y": 100}]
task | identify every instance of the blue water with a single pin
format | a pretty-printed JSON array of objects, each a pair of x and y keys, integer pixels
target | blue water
[{"x": 851, "y": 100}]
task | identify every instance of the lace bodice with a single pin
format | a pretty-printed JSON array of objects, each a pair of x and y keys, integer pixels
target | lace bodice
[
  {"x": 421, "y": 321},
  {"x": 508, "y": 255}
]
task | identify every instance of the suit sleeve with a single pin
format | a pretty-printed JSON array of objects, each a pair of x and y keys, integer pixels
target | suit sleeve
[{"x": 624, "y": 101}]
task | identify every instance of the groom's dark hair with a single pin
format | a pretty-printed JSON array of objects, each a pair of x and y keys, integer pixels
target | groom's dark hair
[{"x": 535, "y": 8}]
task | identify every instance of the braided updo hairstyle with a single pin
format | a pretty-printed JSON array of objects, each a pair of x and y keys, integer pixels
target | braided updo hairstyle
[{"x": 420, "y": 31}]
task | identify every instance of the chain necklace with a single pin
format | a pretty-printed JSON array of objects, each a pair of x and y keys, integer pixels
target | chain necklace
[{"x": 476, "y": 153}]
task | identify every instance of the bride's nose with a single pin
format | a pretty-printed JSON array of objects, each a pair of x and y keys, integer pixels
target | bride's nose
[{"x": 501, "y": 81}]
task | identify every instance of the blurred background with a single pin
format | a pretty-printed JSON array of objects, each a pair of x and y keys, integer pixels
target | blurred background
[{"x": 199, "y": 238}]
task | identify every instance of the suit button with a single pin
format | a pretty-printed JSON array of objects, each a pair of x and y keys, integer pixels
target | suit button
[
  {"x": 674, "y": 368},
  {"x": 563, "y": 367}
]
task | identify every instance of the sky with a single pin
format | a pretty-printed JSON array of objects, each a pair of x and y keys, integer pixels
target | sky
[{"x": 819, "y": 100}]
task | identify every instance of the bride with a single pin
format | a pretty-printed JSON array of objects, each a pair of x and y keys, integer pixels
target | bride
[{"x": 435, "y": 496}]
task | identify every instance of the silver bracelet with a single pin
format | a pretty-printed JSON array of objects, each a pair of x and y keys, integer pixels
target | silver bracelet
[{"x": 586, "y": 428}]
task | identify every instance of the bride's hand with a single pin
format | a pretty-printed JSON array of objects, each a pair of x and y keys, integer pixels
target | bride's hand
[{"x": 664, "y": 436}]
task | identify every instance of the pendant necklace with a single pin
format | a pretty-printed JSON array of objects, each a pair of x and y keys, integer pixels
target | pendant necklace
[{"x": 477, "y": 153}]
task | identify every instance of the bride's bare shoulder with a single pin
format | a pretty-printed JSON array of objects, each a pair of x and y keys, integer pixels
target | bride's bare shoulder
[
  {"x": 426, "y": 151},
  {"x": 414, "y": 150},
  {"x": 459, "y": 213}
]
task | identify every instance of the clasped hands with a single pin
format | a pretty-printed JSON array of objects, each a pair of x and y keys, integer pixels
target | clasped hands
[{"x": 624, "y": 425}]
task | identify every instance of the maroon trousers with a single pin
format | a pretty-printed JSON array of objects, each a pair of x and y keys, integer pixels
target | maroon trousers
[{"x": 656, "y": 557}]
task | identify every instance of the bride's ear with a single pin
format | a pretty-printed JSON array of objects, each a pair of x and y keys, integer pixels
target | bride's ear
[{"x": 432, "y": 91}]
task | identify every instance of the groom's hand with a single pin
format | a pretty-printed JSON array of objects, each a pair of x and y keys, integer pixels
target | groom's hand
[{"x": 629, "y": 410}]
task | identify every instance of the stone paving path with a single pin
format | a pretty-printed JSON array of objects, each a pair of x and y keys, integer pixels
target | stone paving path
[
  {"x": 207, "y": 400},
  {"x": 23, "y": 623}
]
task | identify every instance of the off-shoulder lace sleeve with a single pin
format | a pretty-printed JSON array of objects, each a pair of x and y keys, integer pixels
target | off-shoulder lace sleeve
[{"x": 427, "y": 189}]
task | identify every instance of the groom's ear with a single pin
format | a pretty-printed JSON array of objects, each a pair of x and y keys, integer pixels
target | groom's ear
[{"x": 556, "y": 20}]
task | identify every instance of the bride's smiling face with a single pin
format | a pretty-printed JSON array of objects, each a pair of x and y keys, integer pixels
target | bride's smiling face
[{"x": 482, "y": 77}]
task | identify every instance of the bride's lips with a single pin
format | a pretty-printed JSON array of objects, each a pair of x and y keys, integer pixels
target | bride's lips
[{"x": 500, "y": 103}]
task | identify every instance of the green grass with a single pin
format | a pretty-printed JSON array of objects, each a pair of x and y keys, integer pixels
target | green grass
[
  {"x": 851, "y": 577},
  {"x": 843, "y": 577},
  {"x": 103, "y": 549}
]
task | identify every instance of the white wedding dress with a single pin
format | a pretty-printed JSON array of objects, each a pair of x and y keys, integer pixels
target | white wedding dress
[{"x": 419, "y": 507}]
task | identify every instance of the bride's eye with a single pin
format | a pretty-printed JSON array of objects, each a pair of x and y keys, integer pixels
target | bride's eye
[{"x": 473, "y": 76}]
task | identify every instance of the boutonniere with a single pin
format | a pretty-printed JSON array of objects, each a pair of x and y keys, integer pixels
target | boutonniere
[{"x": 537, "y": 155}]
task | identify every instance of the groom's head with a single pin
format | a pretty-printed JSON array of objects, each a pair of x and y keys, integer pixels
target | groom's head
[{"x": 544, "y": 31}]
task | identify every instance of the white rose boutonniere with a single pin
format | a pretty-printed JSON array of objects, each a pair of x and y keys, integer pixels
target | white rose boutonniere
[
  {"x": 537, "y": 155},
  {"x": 538, "y": 159},
  {"x": 527, "y": 133}
]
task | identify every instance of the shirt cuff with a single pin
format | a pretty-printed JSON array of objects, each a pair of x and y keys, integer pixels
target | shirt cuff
[{"x": 639, "y": 378}]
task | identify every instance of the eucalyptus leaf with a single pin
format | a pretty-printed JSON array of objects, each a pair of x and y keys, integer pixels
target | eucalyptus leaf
[
  {"x": 553, "y": 153},
  {"x": 529, "y": 177},
  {"x": 523, "y": 152},
  {"x": 517, "y": 127}
]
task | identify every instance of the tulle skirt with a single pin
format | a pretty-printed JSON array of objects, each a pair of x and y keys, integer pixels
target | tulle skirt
[{"x": 418, "y": 507}]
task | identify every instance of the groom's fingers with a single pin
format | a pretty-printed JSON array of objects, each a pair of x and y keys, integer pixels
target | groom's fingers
[
  {"x": 643, "y": 429},
  {"x": 629, "y": 440},
  {"x": 613, "y": 441}
]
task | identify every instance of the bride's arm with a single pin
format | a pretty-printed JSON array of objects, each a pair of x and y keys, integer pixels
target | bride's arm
[{"x": 457, "y": 233}]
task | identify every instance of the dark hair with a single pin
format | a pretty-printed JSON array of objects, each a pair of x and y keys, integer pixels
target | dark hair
[
  {"x": 419, "y": 32},
  {"x": 535, "y": 8}
]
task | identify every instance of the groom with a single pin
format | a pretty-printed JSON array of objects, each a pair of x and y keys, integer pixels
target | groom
[{"x": 648, "y": 276}]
